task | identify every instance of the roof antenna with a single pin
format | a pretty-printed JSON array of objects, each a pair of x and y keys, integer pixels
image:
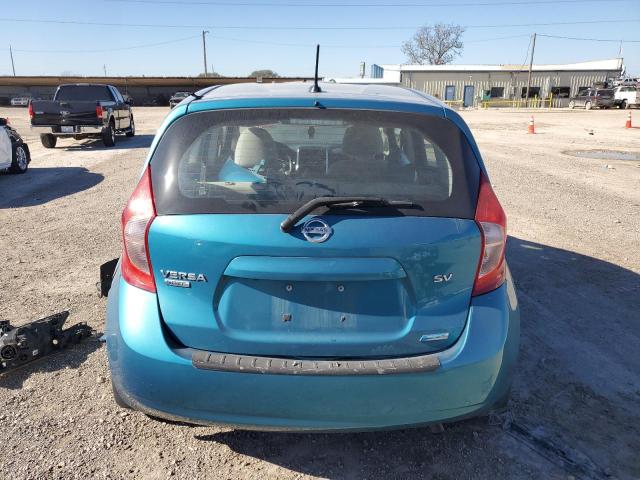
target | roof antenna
[{"x": 316, "y": 88}]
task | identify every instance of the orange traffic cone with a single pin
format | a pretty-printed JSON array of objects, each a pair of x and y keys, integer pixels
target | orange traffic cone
[
  {"x": 532, "y": 127},
  {"x": 628, "y": 124}
]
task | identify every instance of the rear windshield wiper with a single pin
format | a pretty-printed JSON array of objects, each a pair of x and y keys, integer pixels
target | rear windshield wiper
[{"x": 340, "y": 202}]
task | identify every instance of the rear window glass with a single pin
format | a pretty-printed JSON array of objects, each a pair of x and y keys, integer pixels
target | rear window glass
[
  {"x": 273, "y": 161},
  {"x": 84, "y": 93}
]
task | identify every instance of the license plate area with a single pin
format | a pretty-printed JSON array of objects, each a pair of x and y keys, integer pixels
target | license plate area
[
  {"x": 317, "y": 309},
  {"x": 67, "y": 129}
]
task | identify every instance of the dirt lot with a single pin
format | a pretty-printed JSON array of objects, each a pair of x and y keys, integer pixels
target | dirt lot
[{"x": 574, "y": 250}]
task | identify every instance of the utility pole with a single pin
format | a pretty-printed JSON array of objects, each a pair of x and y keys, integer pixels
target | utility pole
[
  {"x": 204, "y": 51},
  {"x": 533, "y": 47},
  {"x": 104, "y": 67},
  {"x": 13, "y": 67}
]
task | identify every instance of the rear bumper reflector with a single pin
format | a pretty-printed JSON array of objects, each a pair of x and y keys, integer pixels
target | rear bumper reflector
[{"x": 227, "y": 362}]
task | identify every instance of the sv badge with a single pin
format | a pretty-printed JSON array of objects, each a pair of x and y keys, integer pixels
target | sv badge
[{"x": 445, "y": 277}]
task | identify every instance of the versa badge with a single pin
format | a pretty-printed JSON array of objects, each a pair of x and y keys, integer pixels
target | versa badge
[{"x": 173, "y": 278}]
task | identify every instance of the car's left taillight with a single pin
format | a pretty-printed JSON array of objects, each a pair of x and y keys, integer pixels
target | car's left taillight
[
  {"x": 136, "y": 220},
  {"x": 31, "y": 114},
  {"x": 492, "y": 222}
]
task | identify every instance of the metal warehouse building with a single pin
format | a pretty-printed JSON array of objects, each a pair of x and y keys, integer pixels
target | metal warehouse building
[{"x": 470, "y": 84}]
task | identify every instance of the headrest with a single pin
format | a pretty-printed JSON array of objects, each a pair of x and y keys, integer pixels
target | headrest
[
  {"x": 362, "y": 141},
  {"x": 254, "y": 145}
]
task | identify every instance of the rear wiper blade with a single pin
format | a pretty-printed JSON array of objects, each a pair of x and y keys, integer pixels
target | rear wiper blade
[{"x": 342, "y": 202}]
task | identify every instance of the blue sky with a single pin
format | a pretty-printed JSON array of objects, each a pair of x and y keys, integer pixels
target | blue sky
[{"x": 56, "y": 48}]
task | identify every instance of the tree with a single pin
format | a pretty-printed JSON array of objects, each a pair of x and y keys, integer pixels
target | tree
[
  {"x": 210, "y": 74},
  {"x": 264, "y": 73},
  {"x": 435, "y": 44}
]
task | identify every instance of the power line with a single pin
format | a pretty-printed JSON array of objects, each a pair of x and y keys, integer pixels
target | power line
[
  {"x": 103, "y": 50},
  {"x": 310, "y": 27},
  {"x": 368, "y": 5},
  {"x": 244, "y": 40},
  {"x": 309, "y": 45},
  {"x": 590, "y": 39}
]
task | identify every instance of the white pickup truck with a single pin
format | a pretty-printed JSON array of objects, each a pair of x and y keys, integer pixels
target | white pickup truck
[{"x": 626, "y": 96}]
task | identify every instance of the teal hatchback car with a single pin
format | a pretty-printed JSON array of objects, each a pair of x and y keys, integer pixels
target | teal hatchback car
[{"x": 304, "y": 260}]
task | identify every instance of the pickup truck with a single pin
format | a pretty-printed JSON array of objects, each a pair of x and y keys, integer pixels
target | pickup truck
[
  {"x": 626, "y": 96},
  {"x": 82, "y": 111}
]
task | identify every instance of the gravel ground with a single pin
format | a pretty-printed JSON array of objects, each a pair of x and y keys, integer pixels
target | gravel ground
[{"x": 574, "y": 226}]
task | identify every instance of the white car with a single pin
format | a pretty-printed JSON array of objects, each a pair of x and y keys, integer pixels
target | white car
[
  {"x": 20, "y": 101},
  {"x": 14, "y": 153},
  {"x": 626, "y": 96}
]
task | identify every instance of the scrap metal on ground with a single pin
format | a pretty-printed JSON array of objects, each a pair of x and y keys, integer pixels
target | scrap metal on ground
[{"x": 26, "y": 343}]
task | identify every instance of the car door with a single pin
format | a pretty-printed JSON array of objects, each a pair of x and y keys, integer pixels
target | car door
[
  {"x": 125, "y": 110},
  {"x": 120, "y": 122}
]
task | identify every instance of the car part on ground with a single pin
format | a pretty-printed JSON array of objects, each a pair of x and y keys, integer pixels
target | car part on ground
[{"x": 34, "y": 340}]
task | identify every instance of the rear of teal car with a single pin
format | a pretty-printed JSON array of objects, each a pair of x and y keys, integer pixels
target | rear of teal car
[{"x": 313, "y": 261}]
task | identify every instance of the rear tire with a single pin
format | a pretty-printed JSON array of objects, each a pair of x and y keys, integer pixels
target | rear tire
[
  {"x": 572, "y": 104},
  {"x": 20, "y": 161},
  {"x": 132, "y": 128},
  {"x": 623, "y": 105},
  {"x": 48, "y": 140},
  {"x": 587, "y": 106},
  {"x": 109, "y": 135}
]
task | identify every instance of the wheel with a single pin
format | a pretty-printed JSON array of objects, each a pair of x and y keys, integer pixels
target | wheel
[
  {"x": 572, "y": 104},
  {"x": 587, "y": 106},
  {"x": 132, "y": 129},
  {"x": 20, "y": 161},
  {"x": 48, "y": 140},
  {"x": 109, "y": 135},
  {"x": 623, "y": 105}
]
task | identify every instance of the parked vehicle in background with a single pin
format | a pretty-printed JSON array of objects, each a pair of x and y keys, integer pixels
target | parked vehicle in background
[
  {"x": 626, "y": 96},
  {"x": 82, "y": 110},
  {"x": 313, "y": 261},
  {"x": 20, "y": 101},
  {"x": 177, "y": 98},
  {"x": 593, "y": 98},
  {"x": 14, "y": 152}
]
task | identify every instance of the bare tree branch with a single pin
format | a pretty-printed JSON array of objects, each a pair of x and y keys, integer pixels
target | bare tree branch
[{"x": 435, "y": 44}]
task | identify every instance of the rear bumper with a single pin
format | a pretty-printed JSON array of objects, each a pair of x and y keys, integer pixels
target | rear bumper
[
  {"x": 473, "y": 375},
  {"x": 78, "y": 130}
]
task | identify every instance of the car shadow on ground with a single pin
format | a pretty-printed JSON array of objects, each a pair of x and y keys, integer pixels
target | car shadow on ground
[
  {"x": 575, "y": 371},
  {"x": 70, "y": 358},
  {"x": 41, "y": 185},
  {"x": 95, "y": 144}
]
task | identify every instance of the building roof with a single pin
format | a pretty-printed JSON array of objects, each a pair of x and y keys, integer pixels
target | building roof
[
  {"x": 295, "y": 90},
  {"x": 613, "y": 64}
]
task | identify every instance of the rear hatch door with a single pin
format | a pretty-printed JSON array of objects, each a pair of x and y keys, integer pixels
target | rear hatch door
[{"x": 384, "y": 282}]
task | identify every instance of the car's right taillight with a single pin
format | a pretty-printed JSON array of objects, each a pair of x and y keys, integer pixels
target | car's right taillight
[
  {"x": 136, "y": 220},
  {"x": 99, "y": 111},
  {"x": 30, "y": 110},
  {"x": 492, "y": 223}
]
